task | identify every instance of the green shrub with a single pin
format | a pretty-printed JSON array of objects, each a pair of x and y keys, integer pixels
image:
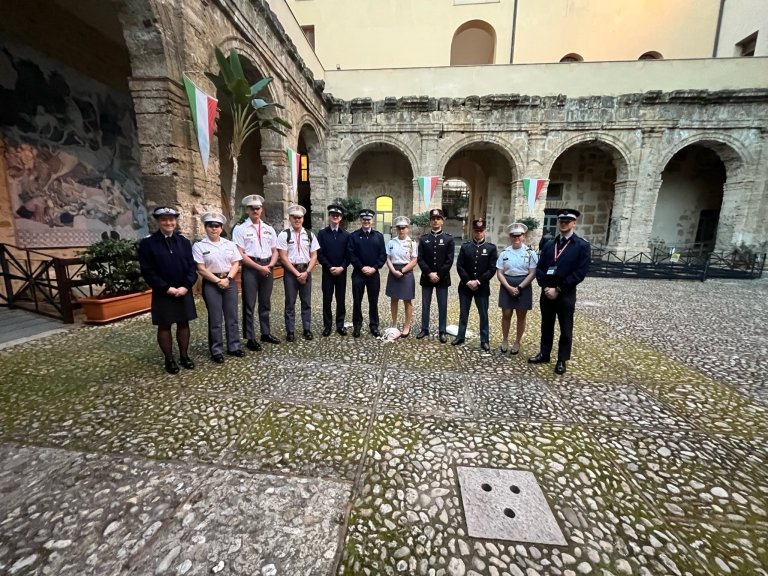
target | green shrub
[{"x": 113, "y": 262}]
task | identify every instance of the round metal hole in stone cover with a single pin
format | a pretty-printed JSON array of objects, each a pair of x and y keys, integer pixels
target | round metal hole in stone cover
[
  {"x": 486, "y": 487},
  {"x": 509, "y": 513},
  {"x": 515, "y": 489}
]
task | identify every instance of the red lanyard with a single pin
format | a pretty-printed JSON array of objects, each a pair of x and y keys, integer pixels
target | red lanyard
[{"x": 559, "y": 253}]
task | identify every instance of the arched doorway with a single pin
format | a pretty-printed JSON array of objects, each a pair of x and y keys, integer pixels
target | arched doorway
[
  {"x": 689, "y": 202},
  {"x": 378, "y": 171},
  {"x": 480, "y": 178},
  {"x": 251, "y": 170},
  {"x": 311, "y": 176},
  {"x": 584, "y": 177}
]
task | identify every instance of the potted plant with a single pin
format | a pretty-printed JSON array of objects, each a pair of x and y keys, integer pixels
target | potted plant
[{"x": 113, "y": 263}]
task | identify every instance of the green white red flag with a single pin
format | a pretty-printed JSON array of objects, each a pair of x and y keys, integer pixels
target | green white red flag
[
  {"x": 294, "y": 159},
  {"x": 427, "y": 185},
  {"x": 203, "y": 117},
  {"x": 532, "y": 187}
]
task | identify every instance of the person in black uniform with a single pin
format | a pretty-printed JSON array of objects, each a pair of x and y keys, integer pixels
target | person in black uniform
[
  {"x": 476, "y": 265},
  {"x": 563, "y": 264},
  {"x": 367, "y": 254},
  {"x": 167, "y": 265},
  {"x": 334, "y": 259},
  {"x": 436, "y": 252}
]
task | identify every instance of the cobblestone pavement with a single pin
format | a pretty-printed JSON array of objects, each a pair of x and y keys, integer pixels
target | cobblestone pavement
[{"x": 340, "y": 455}]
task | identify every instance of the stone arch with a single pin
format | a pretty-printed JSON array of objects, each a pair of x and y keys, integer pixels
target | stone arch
[
  {"x": 312, "y": 191},
  {"x": 496, "y": 142},
  {"x": 617, "y": 149},
  {"x": 733, "y": 153},
  {"x": 368, "y": 142}
]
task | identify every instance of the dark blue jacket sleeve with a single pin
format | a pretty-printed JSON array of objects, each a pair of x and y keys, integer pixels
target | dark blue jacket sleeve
[
  {"x": 322, "y": 255},
  {"x": 463, "y": 275},
  {"x": 445, "y": 269},
  {"x": 488, "y": 275},
  {"x": 352, "y": 253},
  {"x": 189, "y": 264},
  {"x": 148, "y": 265},
  {"x": 381, "y": 251}
]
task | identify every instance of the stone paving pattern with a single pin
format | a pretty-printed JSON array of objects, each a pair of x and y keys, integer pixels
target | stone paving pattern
[{"x": 339, "y": 455}]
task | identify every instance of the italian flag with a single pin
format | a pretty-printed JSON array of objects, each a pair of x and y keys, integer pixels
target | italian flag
[
  {"x": 294, "y": 159},
  {"x": 427, "y": 185},
  {"x": 203, "y": 117},
  {"x": 532, "y": 187}
]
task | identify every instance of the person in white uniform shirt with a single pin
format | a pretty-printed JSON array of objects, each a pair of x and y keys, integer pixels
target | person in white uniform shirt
[
  {"x": 402, "y": 254},
  {"x": 298, "y": 252},
  {"x": 218, "y": 261},
  {"x": 516, "y": 271},
  {"x": 256, "y": 240}
]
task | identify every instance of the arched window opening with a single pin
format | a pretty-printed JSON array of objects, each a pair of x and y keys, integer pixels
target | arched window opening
[
  {"x": 651, "y": 56},
  {"x": 572, "y": 57},
  {"x": 474, "y": 43},
  {"x": 384, "y": 214}
]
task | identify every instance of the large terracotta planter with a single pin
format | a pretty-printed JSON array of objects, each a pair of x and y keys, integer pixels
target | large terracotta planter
[{"x": 102, "y": 310}]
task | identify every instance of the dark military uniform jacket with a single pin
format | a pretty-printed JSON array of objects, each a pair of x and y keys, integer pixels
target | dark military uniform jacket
[
  {"x": 477, "y": 262},
  {"x": 167, "y": 262},
  {"x": 570, "y": 268},
  {"x": 366, "y": 249},
  {"x": 436, "y": 252}
]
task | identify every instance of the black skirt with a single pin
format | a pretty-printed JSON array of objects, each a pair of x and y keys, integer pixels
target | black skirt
[
  {"x": 172, "y": 310},
  {"x": 401, "y": 288},
  {"x": 522, "y": 302}
]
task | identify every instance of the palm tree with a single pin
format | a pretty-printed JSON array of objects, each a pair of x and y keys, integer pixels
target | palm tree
[{"x": 250, "y": 112}]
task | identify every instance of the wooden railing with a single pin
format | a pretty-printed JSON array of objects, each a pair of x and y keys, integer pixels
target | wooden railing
[{"x": 42, "y": 283}]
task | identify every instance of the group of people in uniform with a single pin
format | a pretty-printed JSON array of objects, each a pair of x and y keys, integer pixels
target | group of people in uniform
[{"x": 170, "y": 264}]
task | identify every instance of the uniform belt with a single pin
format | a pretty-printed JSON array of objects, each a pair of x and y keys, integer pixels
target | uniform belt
[
  {"x": 261, "y": 261},
  {"x": 301, "y": 267},
  {"x": 221, "y": 275}
]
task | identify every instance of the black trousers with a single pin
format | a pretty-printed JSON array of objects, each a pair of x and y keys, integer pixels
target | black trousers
[
  {"x": 561, "y": 308},
  {"x": 361, "y": 283},
  {"x": 334, "y": 285}
]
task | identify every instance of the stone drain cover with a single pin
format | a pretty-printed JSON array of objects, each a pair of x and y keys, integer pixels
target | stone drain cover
[{"x": 507, "y": 505}]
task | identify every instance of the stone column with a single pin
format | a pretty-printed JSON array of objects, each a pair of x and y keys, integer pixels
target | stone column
[
  {"x": 634, "y": 210},
  {"x": 277, "y": 187},
  {"x": 621, "y": 214},
  {"x": 537, "y": 152},
  {"x": 172, "y": 172},
  {"x": 740, "y": 198}
]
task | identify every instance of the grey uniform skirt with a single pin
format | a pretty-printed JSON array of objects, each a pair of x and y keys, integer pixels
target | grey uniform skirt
[
  {"x": 171, "y": 310},
  {"x": 401, "y": 288},
  {"x": 522, "y": 302}
]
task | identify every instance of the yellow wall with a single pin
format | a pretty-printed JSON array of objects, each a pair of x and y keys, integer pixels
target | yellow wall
[
  {"x": 368, "y": 34},
  {"x": 577, "y": 79},
  {"x": 396, "y": 33},
  {"x": 601, "y": 30}
]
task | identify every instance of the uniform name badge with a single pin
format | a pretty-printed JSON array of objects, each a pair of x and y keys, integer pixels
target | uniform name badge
[{"x": 552, "y": 270}]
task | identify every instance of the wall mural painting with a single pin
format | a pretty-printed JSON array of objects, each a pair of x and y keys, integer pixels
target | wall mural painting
[{"x": 71, "y": 153}]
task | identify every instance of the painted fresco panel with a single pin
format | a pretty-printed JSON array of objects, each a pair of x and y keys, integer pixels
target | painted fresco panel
[{"x": 71, "y": 153}]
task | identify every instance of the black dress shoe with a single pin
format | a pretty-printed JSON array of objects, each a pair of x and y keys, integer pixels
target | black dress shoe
[
  {"x": 443, "y": 337},
  {"x": 485, "y": 346},
  {"x": 422, "y": 334},
  {"x": 186, "y": 361},
  {"x": 238, "y": 353},
  {"x": 356, "y": 332},
  {"x": 290, "y": 337},
  {"x": 327, "y": 331},
  {"x": 560, "y": 367},
  {"x": 538, "y": 359},
  {"x": 253, "y": 345},
  {"x": 218, "y": 358},
  {"x": 405, "y": 334},
  {"x": 341, "y": 331},
  {"x": 375, "y": 332},
  {"x": 171, "y": 367},
  {"x": 269, "y": 338},
  {"x": 456, "y": 341},
  {"x": 308, "y": 335}
]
